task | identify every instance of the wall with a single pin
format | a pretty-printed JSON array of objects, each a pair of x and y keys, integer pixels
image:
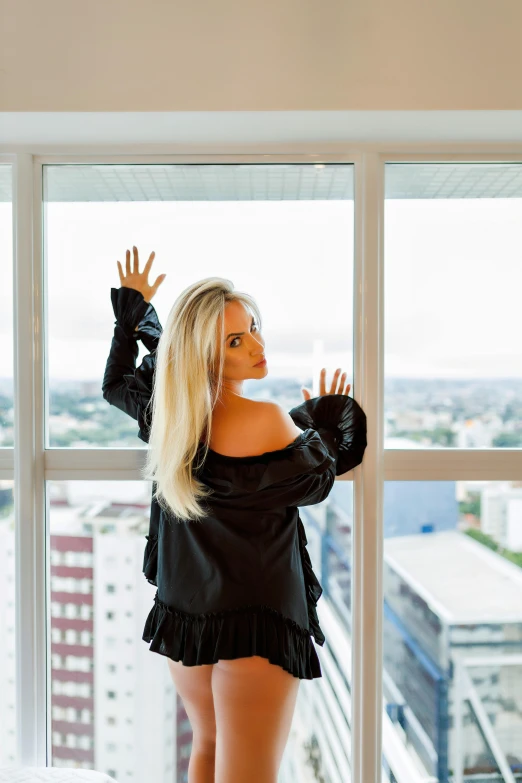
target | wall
[{"x": 232, "y": 55}]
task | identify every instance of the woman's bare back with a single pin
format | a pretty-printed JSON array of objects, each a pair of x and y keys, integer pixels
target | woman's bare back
[{"x": 243, "y": 427}]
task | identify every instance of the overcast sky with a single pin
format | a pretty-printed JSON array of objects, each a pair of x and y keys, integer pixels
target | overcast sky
[{"x": 453, "y": 279}]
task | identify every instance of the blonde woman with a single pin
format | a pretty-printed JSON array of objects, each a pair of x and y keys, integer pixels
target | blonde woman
[{"x": 235, "y": 605}]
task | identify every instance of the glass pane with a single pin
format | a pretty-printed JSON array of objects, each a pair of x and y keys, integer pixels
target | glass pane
[
  {"x": 452, "y": 628},
  {"x": 280, "y": 232},
  {"x": 452, "y": 311},
  {"x": 258, "y": 226},
  {"x": 112, "y": 704}
]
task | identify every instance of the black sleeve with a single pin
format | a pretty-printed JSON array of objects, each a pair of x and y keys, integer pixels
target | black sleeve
[
  {"x": 341, "y": 423},
  {"x": 334, "y": 444},
  {"x": 124, "y": 385},
  {"x": 303, "y": 480}
]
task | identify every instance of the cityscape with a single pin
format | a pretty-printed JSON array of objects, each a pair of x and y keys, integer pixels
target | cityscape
[{"x": 419, "y": 413}]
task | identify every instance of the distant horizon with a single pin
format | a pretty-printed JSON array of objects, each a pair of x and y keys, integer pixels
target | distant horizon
[
  {"x": 442, "y": 379},
  {"x": 452, "y": 280}
]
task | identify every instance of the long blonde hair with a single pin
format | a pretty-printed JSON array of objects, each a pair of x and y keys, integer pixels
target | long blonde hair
[{"x": 188, "y": 382}]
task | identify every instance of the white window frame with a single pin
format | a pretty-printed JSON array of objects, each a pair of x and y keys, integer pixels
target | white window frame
[{"x": 30, "y": 465}]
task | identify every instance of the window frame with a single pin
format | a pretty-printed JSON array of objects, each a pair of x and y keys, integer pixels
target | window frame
[{"x": 30, "y": 465}]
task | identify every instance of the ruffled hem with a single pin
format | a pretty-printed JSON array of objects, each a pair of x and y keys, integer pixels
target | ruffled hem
[
  {"x": 197, "y": 639},
  {"x": 314, "y": 589},
  {"x": 150, "y": 560}
]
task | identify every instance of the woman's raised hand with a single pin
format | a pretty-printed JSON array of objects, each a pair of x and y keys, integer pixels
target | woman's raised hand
[
  {"x": 338, "y": 385},
  {"x": 139, "y": 280}
]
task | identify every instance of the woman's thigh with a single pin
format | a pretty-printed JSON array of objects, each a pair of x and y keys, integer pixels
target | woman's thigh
[
  {"x": 193, "y": 684},
  {"x": 254, "y": 702}
]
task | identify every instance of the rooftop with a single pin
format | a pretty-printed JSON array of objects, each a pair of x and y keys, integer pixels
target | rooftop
[{"x": 463, "y": 581}]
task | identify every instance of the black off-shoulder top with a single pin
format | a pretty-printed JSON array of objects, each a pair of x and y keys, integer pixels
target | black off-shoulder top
[{"x": 240, "y": 582}]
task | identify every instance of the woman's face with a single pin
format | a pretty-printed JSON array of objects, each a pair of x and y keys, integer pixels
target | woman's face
[{"x": 242, "y": 351}]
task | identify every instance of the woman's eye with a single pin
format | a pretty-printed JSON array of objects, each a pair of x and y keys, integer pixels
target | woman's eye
[{"x": 254, "y": 326}]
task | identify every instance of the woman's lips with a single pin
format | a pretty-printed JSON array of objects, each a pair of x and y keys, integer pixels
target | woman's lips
[{"x": 261, "y": 363}]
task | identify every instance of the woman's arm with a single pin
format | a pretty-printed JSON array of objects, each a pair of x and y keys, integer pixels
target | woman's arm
[{"x": 125, "y": 386}]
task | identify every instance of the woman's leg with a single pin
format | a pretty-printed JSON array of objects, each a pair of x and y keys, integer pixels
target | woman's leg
[
  {"x": 254, "y": 702},
  {"x": 193, "y": 684}
]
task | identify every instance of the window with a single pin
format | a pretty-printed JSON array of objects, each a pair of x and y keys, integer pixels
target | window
[
  {"x": 450, "y": 411},
  {"x": 452, "y": 550},
  {"x": 452, "y": 276}
]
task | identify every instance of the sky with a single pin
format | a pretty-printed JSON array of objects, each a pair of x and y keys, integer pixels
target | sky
[{"x": 453, "y": 279}]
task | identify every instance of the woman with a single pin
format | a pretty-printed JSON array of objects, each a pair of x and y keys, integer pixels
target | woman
[{"x": 235, "y": 607}]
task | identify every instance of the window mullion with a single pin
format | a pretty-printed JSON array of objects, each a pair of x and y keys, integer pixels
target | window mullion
[
  {"x": 367, "y": 587},
  {"x": 28, "y": 471}
]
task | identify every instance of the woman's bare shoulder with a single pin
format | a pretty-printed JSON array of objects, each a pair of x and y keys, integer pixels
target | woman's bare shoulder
[{"x": 251, "y": 427}]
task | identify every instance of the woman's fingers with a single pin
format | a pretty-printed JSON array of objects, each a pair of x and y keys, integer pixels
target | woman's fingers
[
  {"x": 333, "y": 387},
  {"x": 338, "y": 385},
  {"x": 322, "y": 378},
  {"x": 139, "y": 280},
  {"x": 158, "y": 282},
  {"x": 136, "y": 264},
  {"x": 146, "y": 268}
]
